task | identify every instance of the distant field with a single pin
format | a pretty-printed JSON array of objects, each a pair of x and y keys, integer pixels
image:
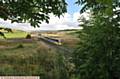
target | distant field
[
  {"x": 68, "y": 38},
  {"x": 17, "y": 34}
]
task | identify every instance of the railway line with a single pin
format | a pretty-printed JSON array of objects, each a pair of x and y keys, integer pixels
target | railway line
[{"x": 55, "y": 43}]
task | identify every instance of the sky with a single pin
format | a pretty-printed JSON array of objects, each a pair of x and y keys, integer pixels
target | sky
[
  {"x": 72, "y": 7},
  {"x": 69, "y": 21}
]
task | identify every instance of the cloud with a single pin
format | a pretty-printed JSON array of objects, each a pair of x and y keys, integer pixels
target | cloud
[
  {"x": 18, "y": 26},
  {"x": 64, "y": 22},
  {"x": 76, "y": 16},
  {"x": 67, "y": 21}
]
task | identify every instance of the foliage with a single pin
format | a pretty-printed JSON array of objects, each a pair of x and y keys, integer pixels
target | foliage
[
  {"x": 28, "y": 36},
  {"x": 32, "y": 11},
  {"x": 2, "y": 34},
  {"x": 97, "y": 56}
]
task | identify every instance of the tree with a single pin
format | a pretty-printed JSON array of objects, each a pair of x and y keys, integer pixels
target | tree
[
  {"x": 6, "y": 29},
  {"x": 32, "y": 11},
  {"x": 97, "y": 56}
]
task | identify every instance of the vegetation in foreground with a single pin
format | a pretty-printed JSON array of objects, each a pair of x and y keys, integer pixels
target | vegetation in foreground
[
  {"x": 98, "y": 54},
  {"x": 38, "y": 59}
]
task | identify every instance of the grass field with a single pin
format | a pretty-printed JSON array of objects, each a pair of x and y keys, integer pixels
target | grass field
[
  {"x": 27, "y": 59},
  {"x": 16, "y": 34},
  {"x": 32, "y": 57}
]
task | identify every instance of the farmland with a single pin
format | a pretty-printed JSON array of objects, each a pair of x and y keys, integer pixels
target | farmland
[
  {"x": 15, "y": 34},
  {"x": 20, "y": 56}
]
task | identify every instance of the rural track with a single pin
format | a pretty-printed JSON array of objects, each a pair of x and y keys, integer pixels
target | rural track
[{"x": 59, "y": 47}]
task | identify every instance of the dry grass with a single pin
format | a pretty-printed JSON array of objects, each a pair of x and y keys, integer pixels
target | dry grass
[{"x": 35, "y": 58}]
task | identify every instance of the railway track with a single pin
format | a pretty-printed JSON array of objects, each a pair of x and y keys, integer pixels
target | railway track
[{"x": 54, "y": 45}]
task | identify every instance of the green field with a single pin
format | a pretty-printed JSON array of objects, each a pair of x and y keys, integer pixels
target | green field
[{"x": 16, "y": 34}]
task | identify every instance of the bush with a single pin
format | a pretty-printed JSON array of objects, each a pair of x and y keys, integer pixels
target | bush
[{"x": 28, "y": 36}]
